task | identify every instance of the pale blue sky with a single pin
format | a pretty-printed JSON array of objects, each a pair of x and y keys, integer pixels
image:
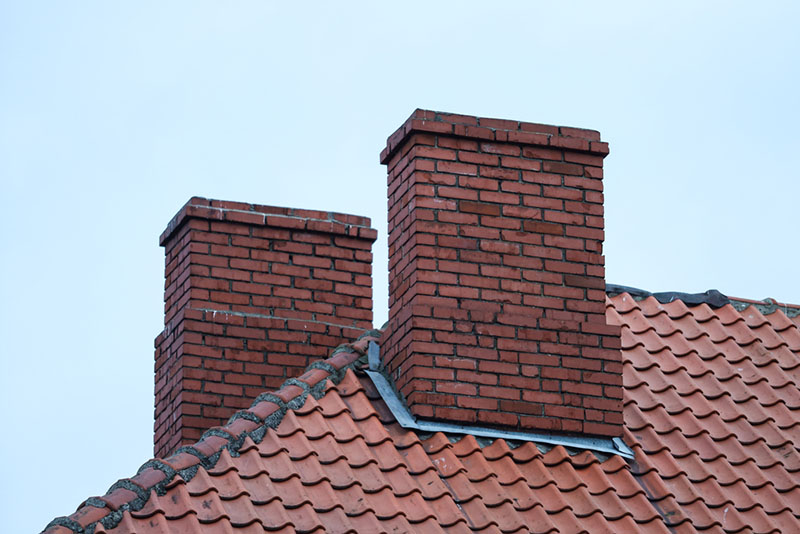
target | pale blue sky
[{"x": 113, "y": 114}]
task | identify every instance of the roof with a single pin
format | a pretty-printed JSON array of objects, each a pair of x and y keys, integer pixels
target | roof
[{"x": 712, "y": 412}]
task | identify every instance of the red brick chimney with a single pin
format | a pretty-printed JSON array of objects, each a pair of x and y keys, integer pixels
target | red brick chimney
[
  {"x": 253, "y": 294},
  {"x": 496, "y": 275}
]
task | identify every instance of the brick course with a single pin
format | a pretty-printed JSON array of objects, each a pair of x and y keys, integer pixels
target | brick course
[
  {"x": 496, "y": 284},
  {"x": 253, "y": 294}
]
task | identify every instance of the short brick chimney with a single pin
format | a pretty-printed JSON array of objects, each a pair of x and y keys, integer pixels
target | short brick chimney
[
  {"x": 496, "y": 275},
  {"x": 253, "y": 294}
]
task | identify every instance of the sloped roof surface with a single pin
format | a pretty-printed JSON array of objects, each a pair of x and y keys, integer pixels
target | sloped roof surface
[{"x": 712, "y": 408}]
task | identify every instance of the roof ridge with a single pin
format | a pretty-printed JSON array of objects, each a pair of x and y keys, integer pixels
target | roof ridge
[
  {"x": 265, "y": 412},
  {"x": 767, "y": 306},
  {"x": 712, "y": 297}
]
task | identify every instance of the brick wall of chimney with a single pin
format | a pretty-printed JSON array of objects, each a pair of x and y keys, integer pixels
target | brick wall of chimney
[
  {"x": 496, "y": 275},
  {"x": 253, "y": 294}
]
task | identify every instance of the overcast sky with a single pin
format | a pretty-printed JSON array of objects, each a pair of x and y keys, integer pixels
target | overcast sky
[{"x": 113, "y": 114}]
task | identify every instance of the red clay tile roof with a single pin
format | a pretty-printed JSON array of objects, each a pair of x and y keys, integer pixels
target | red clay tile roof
[{"x": 712, "y": 411}]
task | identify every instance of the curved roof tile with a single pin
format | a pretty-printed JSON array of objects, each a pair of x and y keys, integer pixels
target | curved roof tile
[{"x": 711, "y": 408}]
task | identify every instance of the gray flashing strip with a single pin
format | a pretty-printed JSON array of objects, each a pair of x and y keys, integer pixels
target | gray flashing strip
[
  {"x": 373, "y": 355},
  {"x": 406, "y": 420}
]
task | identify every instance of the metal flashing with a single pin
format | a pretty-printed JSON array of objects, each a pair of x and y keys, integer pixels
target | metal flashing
[
  {"x": 406, "y": 420},
  {"x": 373, "y": 356}
]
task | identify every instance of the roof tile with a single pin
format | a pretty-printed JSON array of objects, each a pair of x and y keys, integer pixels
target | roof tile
[
  {"x": 712, "y": 413},
  {"x": 491, "y": 492},
  {"x": 260, "y": 489}
]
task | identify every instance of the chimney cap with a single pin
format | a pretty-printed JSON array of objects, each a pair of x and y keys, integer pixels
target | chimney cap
[
  {"x": 260, "y": 215},
  {"x": 494, "y": 130}
]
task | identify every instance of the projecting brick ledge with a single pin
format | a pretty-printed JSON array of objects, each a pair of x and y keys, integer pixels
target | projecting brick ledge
[
  {"x": 497, "y": 130},
  {"x": 252, "y": 294},
  {"x": 295, "y": 219}
]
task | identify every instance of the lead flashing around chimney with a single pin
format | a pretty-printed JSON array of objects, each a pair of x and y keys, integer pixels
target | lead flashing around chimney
[{"x": 406, "y": 420}]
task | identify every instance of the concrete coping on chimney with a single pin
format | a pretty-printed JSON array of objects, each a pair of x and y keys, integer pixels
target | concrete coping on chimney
[
  {"x": 343, "y": 224},
  {"x": 494, "y": 130}
]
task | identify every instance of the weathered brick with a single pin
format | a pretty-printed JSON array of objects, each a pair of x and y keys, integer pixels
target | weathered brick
[
  {"x": 507, "y": 258},
  {"x": 284, "y": 262}
]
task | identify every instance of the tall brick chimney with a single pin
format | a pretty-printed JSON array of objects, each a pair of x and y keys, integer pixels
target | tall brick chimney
[
  {"x": 253, "y": 294},
  {"x": 496, "y": 275}
]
